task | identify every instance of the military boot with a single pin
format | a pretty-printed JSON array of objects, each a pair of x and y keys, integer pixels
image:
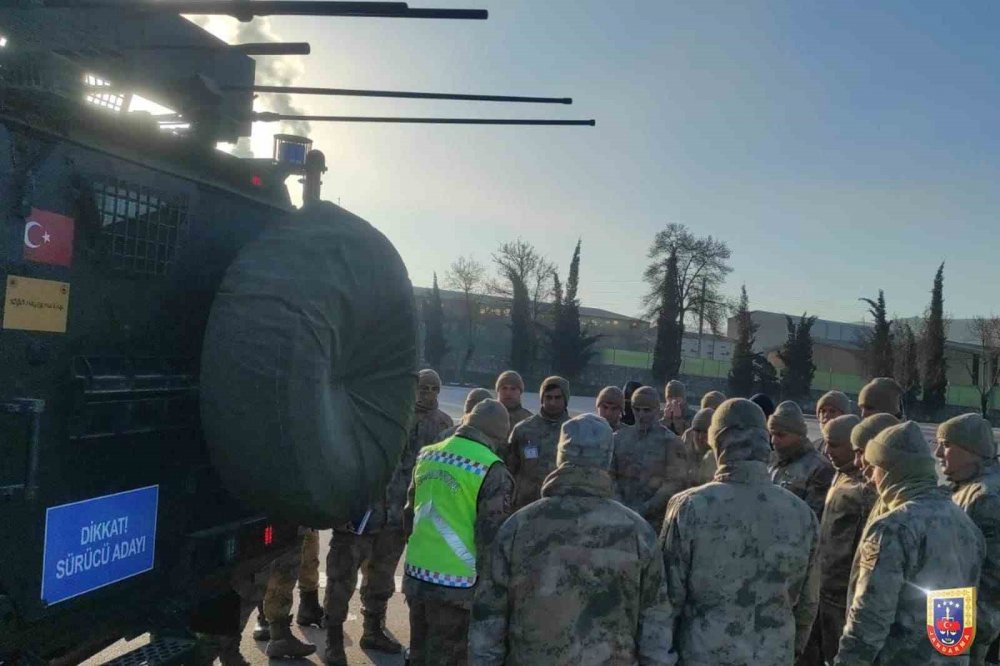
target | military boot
[
  {"x": 334, "y": 655},
  {"x": 261, "y": 632},
  {"x": 310, "y": 613},
  {"x": 375, "y": 638},
  {"x": 283, "y": 644}
]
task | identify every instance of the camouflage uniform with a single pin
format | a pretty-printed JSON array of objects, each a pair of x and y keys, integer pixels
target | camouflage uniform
[
  {"x": 516, "y": 415},
  {"x": 575, "y": 580},
  {"x": 848, "y": 503},
  {"x": 532, "y": 455},
  {"x": 739, "y": 555},
  {"x": 439, "y": 616},
  {"x": 648, "y": 468},
  {"x": 804, "y": 472},
  {"x": 302, "y": 566},
  {"x": 922, "y": 541},
  {"x": 980, "y": 498}
]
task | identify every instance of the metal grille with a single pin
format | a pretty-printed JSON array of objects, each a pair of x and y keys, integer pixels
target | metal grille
[
  {"x": 143, "y": 230},
  {"x": 158, "y": 653},
  {"x": 109, "y": 100}
]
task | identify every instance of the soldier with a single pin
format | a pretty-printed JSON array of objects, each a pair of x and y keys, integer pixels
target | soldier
[
  {"x": 700, "y": 459},
  {"x": 610, "y": 402},
  {"x": 509, "y": 388},
  {"x": 844, "y": 515},
  {"x": 831, "y": 405},
  {"x": 676, "y": 412},
  {"x": 712, "y": 400},
  {"x": 628, "y": 417},
  {"x": 473, "y": 398},
  {"x": 575, "y": 578},
  {"x": 460, "y": 495},
  {"x": 910, "y": 549},
  {"x": 865, "y": 432},
  {"x": 881, "y": 395},
  {"x": 796, "y": 464},
  {"x": 739, "y": 554},
  {"x": 533, "y": 442},
  {"x": 765, "y": 403},
  {"x": 968, "y": 456},
  {"x": 649, "y": 465}
]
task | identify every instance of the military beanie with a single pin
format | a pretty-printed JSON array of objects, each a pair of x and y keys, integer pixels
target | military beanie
[
  {"x": 676, "y": 389},
  {"x": 882, "y": 394},
  {"x": 788, "y": 418},
  {"x": 971, "y": 432},
  {"x": 646, "y": 396},
  {"x": 555, "y": 381},
  {"x": 509, "y": 378},
  {"x": 738, "y": 432},
  {"x": 490, "y": 418},
  {"x": 865, "y": 431},
  {"x": 764, "y": 402},
  {"x": 901, "y": 449},
  {"x": 712, "y": 399},
  {"x": 428, "y": 377},
  {"x": 702, "y": 419},
  {"x": 840, "y": 428},
  {"x": 586, "y": 441},
  {"x": 834, "y": 399},
  {"x": 611, "y": 395},
  {"x": 475, "y": 396}
]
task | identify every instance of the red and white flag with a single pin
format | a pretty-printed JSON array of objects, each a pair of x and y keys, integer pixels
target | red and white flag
[{"x": 48, "y": 238}]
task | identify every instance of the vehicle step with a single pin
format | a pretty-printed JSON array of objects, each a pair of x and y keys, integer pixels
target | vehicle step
[{"x": 160, "y": 652}]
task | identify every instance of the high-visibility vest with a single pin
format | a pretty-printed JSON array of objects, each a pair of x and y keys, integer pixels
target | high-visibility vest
[{"x": 447, "y": 479}]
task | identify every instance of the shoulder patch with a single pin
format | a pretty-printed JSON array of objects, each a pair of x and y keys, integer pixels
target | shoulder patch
[{"x": 868, "y": 556}]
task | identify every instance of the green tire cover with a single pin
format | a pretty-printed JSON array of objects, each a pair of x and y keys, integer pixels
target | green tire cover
[{"x": 308, "y": 368}]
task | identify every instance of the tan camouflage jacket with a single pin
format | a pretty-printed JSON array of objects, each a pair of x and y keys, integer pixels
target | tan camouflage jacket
[
  {"x": 493, "y": 507},
  {"x": 648, "y": 469},
  {"x": 928, "y": 543},
  {"x": 575, "y": 580},
  {"x": 424, "y": 431},
  {"x": 844, "y": 516},
  {"x": 806, "y": 473},
  {"x": 980, "y": 498},
  {"x": 517, "y": 415},
  {"x": 531, "y": 455},
  {"x": 699, "y": 471},
  {"x": 740, "y": 560}
]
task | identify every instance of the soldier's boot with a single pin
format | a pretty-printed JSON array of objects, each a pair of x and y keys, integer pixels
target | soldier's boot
[
  {"x": 335, "y": 655},
  {"x": 375, "y": 638},
  {"x": 310, "y": 613},
  {"x": 261, "y": 631},
  {"x": 283, "y": 644}
]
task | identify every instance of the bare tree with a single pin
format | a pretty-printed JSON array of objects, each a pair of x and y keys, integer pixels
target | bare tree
[
  {"x": 468, "y": 276},
  {"x": 526, "y": 276},
  {"x": 984, "y": 367}
]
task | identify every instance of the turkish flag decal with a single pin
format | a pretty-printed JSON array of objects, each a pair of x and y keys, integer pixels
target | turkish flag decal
[{"x": 48, "y": 238}]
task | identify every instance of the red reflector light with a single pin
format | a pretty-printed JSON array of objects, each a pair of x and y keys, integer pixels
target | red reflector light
[
  {"x": 256, "y": 181},
  {"x": 268, "y": 535}
]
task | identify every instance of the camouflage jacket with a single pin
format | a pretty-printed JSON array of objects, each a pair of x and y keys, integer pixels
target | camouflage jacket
[
  {"x": 493, "y": 506},
  {"x": 697, "y": 470},
  {"x": 980, "y": 498},
  {"x": 928, "y": 543},
  {"x": 517, "y": 415},
  {"x": 424, "y": 430},
  {"x": 679, "y": 425},
  {"x": 806, "y": 473},
  {"x": 847, "y": 506},
  {"x": 531, "y": 456},
  {"x": 575, "y": 580},
  {"x": 648, "y": 469},
  {"x": 740, "y": 560}
]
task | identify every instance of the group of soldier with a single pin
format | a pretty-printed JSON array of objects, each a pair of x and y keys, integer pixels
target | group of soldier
[{"x": 651, "y": 533}]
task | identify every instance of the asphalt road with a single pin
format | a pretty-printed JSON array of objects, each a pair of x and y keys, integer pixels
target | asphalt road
[{"x": 451, "y": 401}]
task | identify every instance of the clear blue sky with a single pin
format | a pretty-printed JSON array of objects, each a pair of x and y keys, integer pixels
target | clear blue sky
[{"x": 838, "y": 147}]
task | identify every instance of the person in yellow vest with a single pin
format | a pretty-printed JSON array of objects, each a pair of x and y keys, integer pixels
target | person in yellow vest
[{"x": 460, "y": 495}]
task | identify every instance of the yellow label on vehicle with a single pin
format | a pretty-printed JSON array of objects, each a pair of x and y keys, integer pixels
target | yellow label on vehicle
[{"x": 35, "y": 305}]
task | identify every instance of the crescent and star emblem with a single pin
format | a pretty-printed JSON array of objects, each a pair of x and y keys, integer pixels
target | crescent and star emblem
[{"x": 27, "y": 234}]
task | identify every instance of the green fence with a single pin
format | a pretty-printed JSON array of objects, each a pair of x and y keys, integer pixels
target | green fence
[{"x": 958, "y": 395}]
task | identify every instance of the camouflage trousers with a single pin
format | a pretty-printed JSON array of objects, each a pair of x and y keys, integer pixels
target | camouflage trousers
[
  {"x": 301, "y": 566},
  {"x": 439, "y": 633},
  {"x": 831, "y": 620},
  {"x": 376, "y": 556}
]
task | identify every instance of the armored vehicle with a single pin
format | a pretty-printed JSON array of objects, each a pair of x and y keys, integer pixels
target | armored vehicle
[{"x": 190, "y": 367}]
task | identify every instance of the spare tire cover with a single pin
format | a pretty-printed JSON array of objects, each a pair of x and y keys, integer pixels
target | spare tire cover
[{"x": 308, "y": 368}]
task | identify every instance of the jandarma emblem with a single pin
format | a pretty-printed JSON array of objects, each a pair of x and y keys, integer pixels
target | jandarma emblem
[{"x": 951, "y": 619}]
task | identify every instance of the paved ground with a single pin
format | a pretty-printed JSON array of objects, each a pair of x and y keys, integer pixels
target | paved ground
[{"x": 451, "y": 401}]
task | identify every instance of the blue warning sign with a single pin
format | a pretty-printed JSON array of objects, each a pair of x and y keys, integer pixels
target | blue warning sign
[{"x": 99, "y": 541}]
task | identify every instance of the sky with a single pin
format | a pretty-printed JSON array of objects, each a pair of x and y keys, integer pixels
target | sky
[{"x": 839, "y": 148}]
